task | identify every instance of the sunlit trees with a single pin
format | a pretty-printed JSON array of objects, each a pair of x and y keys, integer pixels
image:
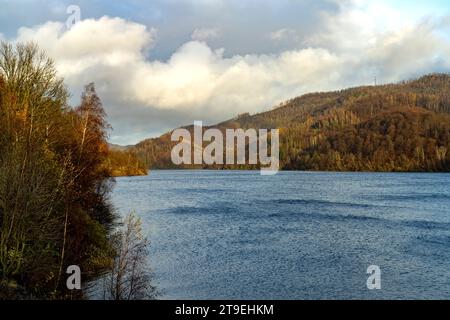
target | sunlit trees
[
  {"x": 32, "y": 175},
  {"x": 53, "y": 182},
  {"x": 125, "y": 163},
  {"x": 91, "y": 152},
  {"x": 396, "y": 127}
]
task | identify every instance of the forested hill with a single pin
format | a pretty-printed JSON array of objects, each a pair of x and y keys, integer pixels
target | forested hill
[{"x": 395, "y": 127}]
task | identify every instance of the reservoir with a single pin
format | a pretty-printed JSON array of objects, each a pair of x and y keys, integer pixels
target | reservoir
[{"x": 295, "y": 235}]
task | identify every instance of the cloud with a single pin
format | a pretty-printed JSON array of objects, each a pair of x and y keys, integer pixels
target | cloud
[
  {"x": 204, "y": 34},
  {"x": 91, "y": 43},
  {"x": 201, "y": 80},
  {"x": 146, "y": 96},
  {"x": 283, "y": 34}
]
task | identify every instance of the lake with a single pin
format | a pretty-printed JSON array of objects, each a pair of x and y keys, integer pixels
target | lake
[{"x": 296, "y": 235}]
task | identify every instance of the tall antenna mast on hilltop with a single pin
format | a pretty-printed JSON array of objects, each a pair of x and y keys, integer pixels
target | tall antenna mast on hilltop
[{"x": 375, "y": 81}]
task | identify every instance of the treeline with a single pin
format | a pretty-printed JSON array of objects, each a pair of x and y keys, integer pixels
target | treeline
[
  {"x": 125, "y": 163},
  {"x": 395, "y": 127},
  {"x": 55, "y": 179}
]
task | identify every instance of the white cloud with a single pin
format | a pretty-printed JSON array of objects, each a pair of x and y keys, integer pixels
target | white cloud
[
  {"x": 200, "y": 82},
  {"x": 283, "y": 34},
  {"x": 359, "y": 25},
  {"x": 90, "y": 43},
  {"x": 205, "y": 34},
  {"x": 197, "y": 78}
]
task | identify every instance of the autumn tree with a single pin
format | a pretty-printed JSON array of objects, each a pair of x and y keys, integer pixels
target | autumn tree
[
  {"x": 54, "y": 208},
  {"x": 32, "y": 174}
]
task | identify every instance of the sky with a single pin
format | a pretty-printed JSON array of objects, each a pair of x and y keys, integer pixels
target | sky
[{"x": 161, "y": 64}]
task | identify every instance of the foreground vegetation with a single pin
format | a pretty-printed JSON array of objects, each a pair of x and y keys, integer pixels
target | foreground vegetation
[
  {"x": 396, "y": 127},
  {"x": 55, "y": 178}
]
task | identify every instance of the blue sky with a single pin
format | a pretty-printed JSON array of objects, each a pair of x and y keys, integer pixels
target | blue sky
[
  {"x": 164, "y": 63},
  {"x": 420, "y": 6}
]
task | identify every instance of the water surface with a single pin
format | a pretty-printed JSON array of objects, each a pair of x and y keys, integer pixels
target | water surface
[{"x": 296, "y": 235}]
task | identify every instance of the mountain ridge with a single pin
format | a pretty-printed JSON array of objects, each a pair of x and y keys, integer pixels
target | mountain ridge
[{"x": 391, "y": 127}]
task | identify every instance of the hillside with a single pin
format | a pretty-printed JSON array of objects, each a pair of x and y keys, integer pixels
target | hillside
[
  {"x": 122, "y": 163},
  {"x": 395, "y": 127}
]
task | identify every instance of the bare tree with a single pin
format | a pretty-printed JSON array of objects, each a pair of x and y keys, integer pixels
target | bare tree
[{"x": 130, "y": 277}]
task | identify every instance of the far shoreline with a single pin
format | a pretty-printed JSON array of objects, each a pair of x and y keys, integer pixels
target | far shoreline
[{"x": 281, "y": 170}]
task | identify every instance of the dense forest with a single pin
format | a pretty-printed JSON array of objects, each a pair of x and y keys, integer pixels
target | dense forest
[
  {"x": 122, "y": 163},
  {"x": 55, "y": 178},
  {"x": 394, "y": 127}
]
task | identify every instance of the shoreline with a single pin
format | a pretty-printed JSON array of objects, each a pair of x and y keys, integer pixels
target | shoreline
[{"x": 284, "y": 170}]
